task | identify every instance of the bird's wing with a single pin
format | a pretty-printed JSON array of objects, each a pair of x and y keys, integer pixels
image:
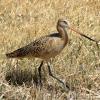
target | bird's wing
[{"x": 34, "y": 48}]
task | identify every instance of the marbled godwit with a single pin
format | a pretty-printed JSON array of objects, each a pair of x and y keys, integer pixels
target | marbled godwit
[{"x": 46, "y": 47}]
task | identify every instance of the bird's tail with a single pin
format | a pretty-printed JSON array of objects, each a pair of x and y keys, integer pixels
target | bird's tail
[
  {"x": 17, "y": 53},
  {"x": 11, "y": 55}
]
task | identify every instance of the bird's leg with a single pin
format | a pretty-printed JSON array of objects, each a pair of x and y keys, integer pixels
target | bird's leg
[
  {"x": 66, "y": 87},
  {"x": 39, "y": 70}
]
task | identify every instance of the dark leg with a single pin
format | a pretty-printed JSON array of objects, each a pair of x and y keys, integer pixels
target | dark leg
[
  {"x": 39, "y": 70},
  {"x": 66, "y": 87}
]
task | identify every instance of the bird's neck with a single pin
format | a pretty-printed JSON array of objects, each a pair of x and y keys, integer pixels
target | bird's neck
[{"x": 63, "y": 33}]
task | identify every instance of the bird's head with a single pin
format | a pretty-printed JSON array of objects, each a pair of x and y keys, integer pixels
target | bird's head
[{"x": 63, "y": 23}]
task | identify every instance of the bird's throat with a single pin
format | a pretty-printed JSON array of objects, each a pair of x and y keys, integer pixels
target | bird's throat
[{"x": 63, "y": 33}]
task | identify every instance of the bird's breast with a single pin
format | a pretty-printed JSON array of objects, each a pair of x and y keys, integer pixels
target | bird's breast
[{"x": 53, "y": 48}]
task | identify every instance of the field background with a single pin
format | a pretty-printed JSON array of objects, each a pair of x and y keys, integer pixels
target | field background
[{"x": 22, "y": 21}]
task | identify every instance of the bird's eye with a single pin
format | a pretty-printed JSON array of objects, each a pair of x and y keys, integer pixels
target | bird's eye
[{"x": 65, "y": 22}]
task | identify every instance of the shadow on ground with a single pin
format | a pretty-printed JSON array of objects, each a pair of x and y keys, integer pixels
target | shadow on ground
[{"x": 19, "y": 77}]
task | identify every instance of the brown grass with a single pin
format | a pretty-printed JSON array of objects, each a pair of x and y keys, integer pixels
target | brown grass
[{"x": 22, "y": 21}]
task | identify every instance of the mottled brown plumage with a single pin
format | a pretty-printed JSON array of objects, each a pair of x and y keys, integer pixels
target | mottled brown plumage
[{"x": 46, "y": 46}]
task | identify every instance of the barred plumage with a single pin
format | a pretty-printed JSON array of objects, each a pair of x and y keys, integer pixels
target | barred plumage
[{"x": 46, "y": 46}]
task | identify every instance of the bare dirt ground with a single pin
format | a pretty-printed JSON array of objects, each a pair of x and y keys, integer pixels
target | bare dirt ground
[{"x": 22, "y": 21}]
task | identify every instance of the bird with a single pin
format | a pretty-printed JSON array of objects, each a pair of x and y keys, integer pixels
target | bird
[{"x": 47, "y": 47}]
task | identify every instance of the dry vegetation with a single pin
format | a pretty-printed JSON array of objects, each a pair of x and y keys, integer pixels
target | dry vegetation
[{"x": 22, "y": 21}]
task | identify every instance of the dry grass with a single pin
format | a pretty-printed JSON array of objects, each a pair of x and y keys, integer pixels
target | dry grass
[{"x": 22, "y": 21}]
